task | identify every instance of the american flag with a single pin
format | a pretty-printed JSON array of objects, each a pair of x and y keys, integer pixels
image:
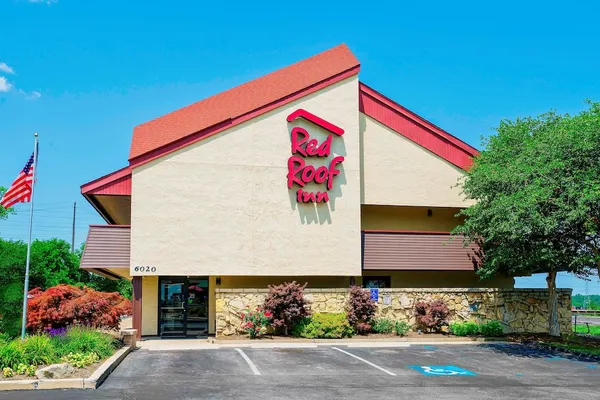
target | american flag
[{"x": 20, "y": 190}]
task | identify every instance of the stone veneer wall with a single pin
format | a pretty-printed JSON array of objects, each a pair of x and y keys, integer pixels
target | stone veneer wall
[{"x": 520, "y": 310}]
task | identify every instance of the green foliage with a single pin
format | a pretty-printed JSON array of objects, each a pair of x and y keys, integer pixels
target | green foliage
[
  {"x": 4, "y": 338},
  {"x": 537, "y": 198},
  {"x": 593, "y": 330},
  {"x": 383, "y": 325},
  {"x": 7, "y": 372},
  {"x": 80, "y": 360},
  {"x": 21, "y": 369},
  {"x": 85, "y": 340},
  {"x": 471, "y": 328},
  {"x": 52, "y": 263},
  {"x": 324, "y": 325},
  {"x": 401, "y": 328},
  {"x": 4, "y": 213},
  {"x": 30, "y": 371},
  {"x": 468, "y": 328},
  {"x": 42, "y": 349},
  {"x": 578, "y": 300},
  {"x": 12, "y": 354},
  {"x": 39, "y": 350},
  {"x": 492, "y": 329}
]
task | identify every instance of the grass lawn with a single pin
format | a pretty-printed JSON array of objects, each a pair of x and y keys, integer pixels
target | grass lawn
[
  {"x": 594, "y": 329},
  {"x": 594, "y": 351}
]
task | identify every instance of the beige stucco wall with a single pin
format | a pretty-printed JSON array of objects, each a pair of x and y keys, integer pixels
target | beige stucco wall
[
  {"x": 149, "y": 305},
  {"x": 397, "y": 171},
  {"x": 375, "y": 217},
  {"x": 221, "y": 206}
]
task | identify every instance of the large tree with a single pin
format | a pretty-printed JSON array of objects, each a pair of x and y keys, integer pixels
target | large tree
[
  {"x": 52, "y": 263},
  {"x": 537, "y": 192},
  {"x": 3, "y": 211}
]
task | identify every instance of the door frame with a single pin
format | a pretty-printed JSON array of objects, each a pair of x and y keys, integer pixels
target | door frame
[{"x": 185, "y": 280}]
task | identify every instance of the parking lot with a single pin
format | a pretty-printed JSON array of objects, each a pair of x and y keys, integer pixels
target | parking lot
[{"x": 449, "y": 371}]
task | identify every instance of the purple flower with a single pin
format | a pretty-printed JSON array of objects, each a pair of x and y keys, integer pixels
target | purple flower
[{"x": 53, "y": 332}]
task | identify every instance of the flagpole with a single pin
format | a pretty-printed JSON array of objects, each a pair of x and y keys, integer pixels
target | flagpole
[{"x": 26, "y": 287}]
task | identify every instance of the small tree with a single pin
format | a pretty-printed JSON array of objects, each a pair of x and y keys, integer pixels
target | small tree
[
  {"x": 432, "y": 315},
  {"x": 63, "y": 305},
  {"x": 286, "y": 303},
  {"x": 360, "y": 309},
  {"x": 537, "y": 193}
]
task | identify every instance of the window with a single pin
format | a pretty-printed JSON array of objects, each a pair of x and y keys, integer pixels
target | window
[{"x": 379, "y": 282}]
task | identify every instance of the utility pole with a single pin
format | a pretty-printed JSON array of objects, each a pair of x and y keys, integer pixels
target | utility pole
[{"x": 73, "y": 235}]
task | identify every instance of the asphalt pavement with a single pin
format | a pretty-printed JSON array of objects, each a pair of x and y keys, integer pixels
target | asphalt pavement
[{"x": 449, "y": 371}]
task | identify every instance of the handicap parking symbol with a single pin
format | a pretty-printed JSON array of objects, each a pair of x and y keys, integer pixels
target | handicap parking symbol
[{"x": 442, "y": 370}]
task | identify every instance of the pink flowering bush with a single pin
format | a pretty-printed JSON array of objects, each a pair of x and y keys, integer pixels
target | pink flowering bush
[
  {"x": 287, "y": 304},
  {"x": 253, "y": 322}
]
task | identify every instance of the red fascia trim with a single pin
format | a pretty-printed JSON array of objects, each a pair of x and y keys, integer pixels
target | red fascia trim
[
  {"x": 430, "y": 136},
  {"x": 107, "y": 180},
  {"x": 233, "y": 121},
  {"x": 406, "y": 232},
  {"x": 300, "y": 113}
]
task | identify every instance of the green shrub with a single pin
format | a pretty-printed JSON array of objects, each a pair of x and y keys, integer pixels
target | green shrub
[
  {"x": 39, "y": 350},
  {"x": 383, "y": 325},
  {"x": 42, "y": 349},
  {"x": 85, "y": 340},
  {"x": 492, "y": 329},
  {"x": 468, "y": 328},
  {"x": 30, "y": 371},
  {"x": 11, "y": 354},
  {"x": 324, "y": 325},
  {"x": 7, "y": 372},
  {"x": 80, "y": 360},
  {"x": 4, "y": 338},
  {"x": 401, "y": 328},
  {"x": 21, "y": 369}
]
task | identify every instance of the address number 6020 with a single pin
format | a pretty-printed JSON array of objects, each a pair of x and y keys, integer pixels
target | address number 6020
[{"x": 144, "y": 269}]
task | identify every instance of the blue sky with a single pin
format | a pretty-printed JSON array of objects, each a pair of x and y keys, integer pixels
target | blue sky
[{"x": 84, "y": 73}]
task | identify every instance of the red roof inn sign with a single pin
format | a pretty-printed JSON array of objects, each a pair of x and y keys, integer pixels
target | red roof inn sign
[{"x": 304, "y": 146}]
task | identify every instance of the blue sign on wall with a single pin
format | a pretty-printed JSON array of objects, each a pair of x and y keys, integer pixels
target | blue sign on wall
[
  {"x": 442, "y": 370},
  {"x": 375, "y": 294}
]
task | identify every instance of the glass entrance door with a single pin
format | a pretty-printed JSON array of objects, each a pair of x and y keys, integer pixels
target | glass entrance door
[{"x": 183, "y": 307}]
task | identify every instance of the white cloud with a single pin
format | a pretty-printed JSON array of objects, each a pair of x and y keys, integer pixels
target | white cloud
[
  {"x": 6, "y": 68},
  {"x": 34, "y": 95},
  {"x": 4, "y": 85}
]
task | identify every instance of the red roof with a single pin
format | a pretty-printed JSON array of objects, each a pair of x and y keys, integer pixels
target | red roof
[
  {"x": 115, "y": 183},
  {"x": 415, "y": 128},
  {"x": 228, "y": 108},
  {"x": 224, "y": 110}
]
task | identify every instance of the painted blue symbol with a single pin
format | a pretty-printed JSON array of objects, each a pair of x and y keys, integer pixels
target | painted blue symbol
[
  {"x": 442, "y": 370},
  {"x": 592, "y": 366},
  {"x": 518, "y": 374},
  {"x": 556, "y": 358},
  {"x": 429, "y": 347},
  {"x": 375, "y": 294}
]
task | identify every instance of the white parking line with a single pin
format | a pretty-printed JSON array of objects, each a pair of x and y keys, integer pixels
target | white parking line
[
  {"x": 366, "y": 362},
  {"x": 249, "y": 361}
]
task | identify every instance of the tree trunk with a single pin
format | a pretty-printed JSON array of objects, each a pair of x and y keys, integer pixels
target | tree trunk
[{"x": 553, "y": 325}]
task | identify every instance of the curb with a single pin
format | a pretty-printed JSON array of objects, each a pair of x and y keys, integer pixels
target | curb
[
  {"x": 258, "y": 344},
  {"x": 96, "y": 379},
  {"x": 93, "y": 382}
]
